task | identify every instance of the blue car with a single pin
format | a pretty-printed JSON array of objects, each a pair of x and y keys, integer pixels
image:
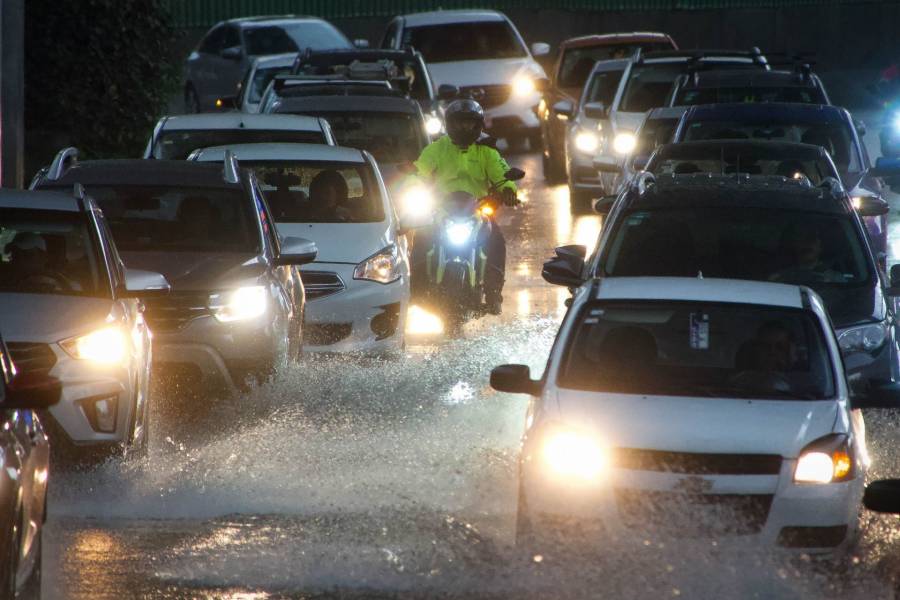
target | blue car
[{"x": 831, "y": 127}]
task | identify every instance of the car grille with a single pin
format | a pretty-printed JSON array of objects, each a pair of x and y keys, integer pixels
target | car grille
[
  {"x": 31, "y": 358},
  {"x": 693, "y": 514},
  {"x": 488, "y": 96},
  {"x": 175, "y": 310},
  {"x": 326, "y": 334},
  {"x": 319, "y": 284},
  {"x": 697, "y": 464}
]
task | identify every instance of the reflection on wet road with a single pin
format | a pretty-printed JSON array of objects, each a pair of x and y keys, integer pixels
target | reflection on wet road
[{"x": 391, "y": 479}]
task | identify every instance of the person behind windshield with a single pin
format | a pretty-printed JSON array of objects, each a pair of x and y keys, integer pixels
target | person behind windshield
[
  {"x": 29, "y": 264},
  {"x": 804, "y": 246},
  {"x": 457, "y": 162},
  {"x": 328, "y": 195},
  {"x": 763, "y": 362}
]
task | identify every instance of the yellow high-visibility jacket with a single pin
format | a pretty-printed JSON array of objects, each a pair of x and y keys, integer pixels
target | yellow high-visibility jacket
[{"x": 473, "y": 170}]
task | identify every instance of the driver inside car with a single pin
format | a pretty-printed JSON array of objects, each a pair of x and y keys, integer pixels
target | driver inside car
[
  {"x": 763, "y": 361},
  {"x": 804, "y": 250},
  {"x": 328, "y": 194},
  {"x": 29, "y": 264}
]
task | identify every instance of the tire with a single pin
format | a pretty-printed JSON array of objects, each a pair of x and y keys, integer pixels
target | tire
[
  {"x": 11, "y": 560},
  {"x": 454, "y": 299},
  {"x": 553, "y": 171},
  {"x": 191, "y": 100},
  {"x": 32, "y": 588}
]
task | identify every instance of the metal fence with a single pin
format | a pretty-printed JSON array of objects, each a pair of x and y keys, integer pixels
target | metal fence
[{"x": 202, "y": 13}]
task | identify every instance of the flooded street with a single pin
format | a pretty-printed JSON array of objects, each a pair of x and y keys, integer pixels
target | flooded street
[{"x": 382, "y": 479}]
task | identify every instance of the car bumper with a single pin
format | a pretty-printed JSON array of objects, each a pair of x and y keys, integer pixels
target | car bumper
[
  {"x": 766, "y": 509},
  {"x": 517, "y": 115},
  {"x": 584, "y": 177},
  {"x": 365, "y": 317}
]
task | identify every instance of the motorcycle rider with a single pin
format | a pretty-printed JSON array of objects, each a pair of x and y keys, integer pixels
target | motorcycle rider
[{"x": 457, "y": 162}]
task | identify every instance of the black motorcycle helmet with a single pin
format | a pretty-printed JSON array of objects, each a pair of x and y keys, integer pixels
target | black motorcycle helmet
[{"x": 465, "y": 122}]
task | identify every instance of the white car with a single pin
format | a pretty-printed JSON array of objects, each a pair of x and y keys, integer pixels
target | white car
[
  {"x": 357, "y": 290},
  {"x": 261, "y": 72},
  {"x": 71, "y": 310},
  {"x": 174, "y": 138},
  {"x": 482, "y": 53},
  {"x": 693, "y": 407}
]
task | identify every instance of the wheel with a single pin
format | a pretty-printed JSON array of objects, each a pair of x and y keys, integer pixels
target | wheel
[
  {"x": 191, "y": 101},
  {"x": 32, "y": 587},
  {"x": 553, "y": 171}
]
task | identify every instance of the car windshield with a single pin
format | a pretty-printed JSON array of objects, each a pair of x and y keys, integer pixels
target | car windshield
[
  {"x": 652, "y": 134},
  {"x": 603, "y": 86},
  {"x": 319, "y": 192},
  {"x": 680, "y": 159},
  {"x": 835, "y": 137},
  {"x": 464, "y": 41},
  {"x": 701, "y": 349},
  {"x": 178, "y": 144},
  {"x": 174, "y": 219},
  {"x": 389, "y": 137},
  {"x": 577, "y": 63},
  {"x": 823, "y": 251},
  {"x": 48, "y": 252},
  {"x": 649, "y": 84},
  {"x": 260, "y": 81},
  {"x": 293, "y": 37},
  {"x": 796, "y": 94}
]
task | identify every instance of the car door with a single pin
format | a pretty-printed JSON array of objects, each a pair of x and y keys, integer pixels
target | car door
[
  {"x": 230, "y": 64},
  {"x": 202, "y": 63},
  {"x": 286, "y": 277}
]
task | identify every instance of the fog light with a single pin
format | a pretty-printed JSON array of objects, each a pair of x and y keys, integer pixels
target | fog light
[{"x": 101, "y": 412}]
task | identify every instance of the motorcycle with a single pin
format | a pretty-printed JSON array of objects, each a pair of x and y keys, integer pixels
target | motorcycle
[{"x": 457, "y": 259}]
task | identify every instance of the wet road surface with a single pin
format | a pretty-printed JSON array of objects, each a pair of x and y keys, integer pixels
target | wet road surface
[{"x": 394, "y": 479}]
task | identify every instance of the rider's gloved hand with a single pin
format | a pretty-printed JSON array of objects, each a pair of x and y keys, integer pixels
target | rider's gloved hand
[{"x": 509, "y": 197}]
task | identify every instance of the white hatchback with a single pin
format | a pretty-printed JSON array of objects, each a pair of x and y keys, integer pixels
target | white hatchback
[
  {"x": 357, "y": 290},
  {"x": 696, "y": 408}
]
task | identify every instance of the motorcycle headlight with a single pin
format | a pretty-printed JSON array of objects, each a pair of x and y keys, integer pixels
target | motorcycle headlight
[
  {"x": 106, "y": 346},
  {"x": 239, "y": 305},
  {"x": 417, "y": 201},
  {"x": 587, "y": 141},
  {"x": 827, "y": 460},
  {"x": 523, "y": 85},
  {"x": 383, "y": 267},
  {"x": 458, "y": 233},
  {"x": 865, "y": 338},
  {"x": 574, "y": 454},
  {"x": 624, "y": 142},
  {"x": 433, "y": 125}
]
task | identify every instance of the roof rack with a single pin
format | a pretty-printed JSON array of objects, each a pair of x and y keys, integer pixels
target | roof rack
[
  {"x": 63, "y": 160},
  {"x": 231, "y": 170},
  {"x": 78, "y": 194}
]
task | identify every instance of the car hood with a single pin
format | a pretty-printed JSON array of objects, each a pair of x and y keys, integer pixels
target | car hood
[
  {"x": 853, "y": 305},
  {"x": 708, "y": 425},
  {"x": 349, "y": 243},
  {"x": 49, "y": 318},
  {"x": 479, "y": 72},
  {"x": 198, "y": 271}
]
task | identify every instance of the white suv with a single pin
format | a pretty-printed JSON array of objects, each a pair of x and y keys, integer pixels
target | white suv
[
  {"x": 680, "y": 406},
  {"x": 481, "y": 53}
]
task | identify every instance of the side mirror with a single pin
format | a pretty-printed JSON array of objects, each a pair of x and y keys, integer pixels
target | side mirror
[
  {"x": 515, "y": 379},
  {"x": 32, "y": 391},
  {"x": 605, "y": 164},
  {"x": 232, "y": 53},
  {"x": 514, "y": 174},
  {"x": 564, "y": 108},
  {"x": 144, "y": 284},
  {"x": 870, "y": 206},
  {"x": 361, "y": 43},
  {"x": 604, "y": 204},
  {"x": 886, "y": 167},
  {"x": 540, "y": 49},
  {"x": 447, "y": 91},
  {"x": 296, "y": 251},
  {"x": 883, "y": 496},
  {"x": 878, "y": 395},
  {"x": 595, "y": 110},
  {"x": 566, "y": 267}
]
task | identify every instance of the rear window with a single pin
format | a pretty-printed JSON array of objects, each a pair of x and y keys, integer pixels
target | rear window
[
  {"x": 577, "y": 63},
  {"x": 319, "y": 192},
  {"x": 682, "y": 159},
  {"x": 464, "y": 41},
  {"x": 795, "y": 94},
  {"x": 178, "y": 145},
  {"x": 293, "y": 37}
]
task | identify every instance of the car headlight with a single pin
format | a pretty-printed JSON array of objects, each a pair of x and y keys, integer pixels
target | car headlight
[
  {"x": 624, "y": 142},
  {"x": 523, "y": 85},
  {"x": 417, "y": 201},
  {"x": 826, "y": 460},
  {"x": 107, "y": 346},
  {"x": 239, "y": 305},
  {"x": 865, "y": 338},
  {"x": 383, "y": 267},
  {"x": 433, "y": 125},
  {"x": 458, "y": 233},
  {"x": 897, "y": 121},
  {"x": 573, "y": 454},
  {"x": 587, "y": 141}
]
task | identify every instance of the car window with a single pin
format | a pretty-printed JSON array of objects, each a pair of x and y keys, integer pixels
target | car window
[
  {"x": 835, "y": 137},
  {"x": 698, "y": 349},
  {"x": 740, "y": 242},
  {"x": 182, "y": 219},
  {"x": 464, "y": 41},
  {"x": 232, "y": 37},
  {"x": 681, "y": 159},
  {"x": 649, "y": 85},
  {"x": 801, "y": 95},
  {"x": 213, "y": 42},
  {"x": 318, "y": 192},
  {"x": 49, "y": 252},
  {"x": 260, "y": 80},
  {"x": 654, "y": 133},
  {"x": 293, "y": 37},
  {"x": 407, "y": 75},
  {"x": 178, "y": 144},
  {"x": 389, "y": 41},
  {"x": 577, "y": 63},
  {"x": 604, "y": 86}
]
